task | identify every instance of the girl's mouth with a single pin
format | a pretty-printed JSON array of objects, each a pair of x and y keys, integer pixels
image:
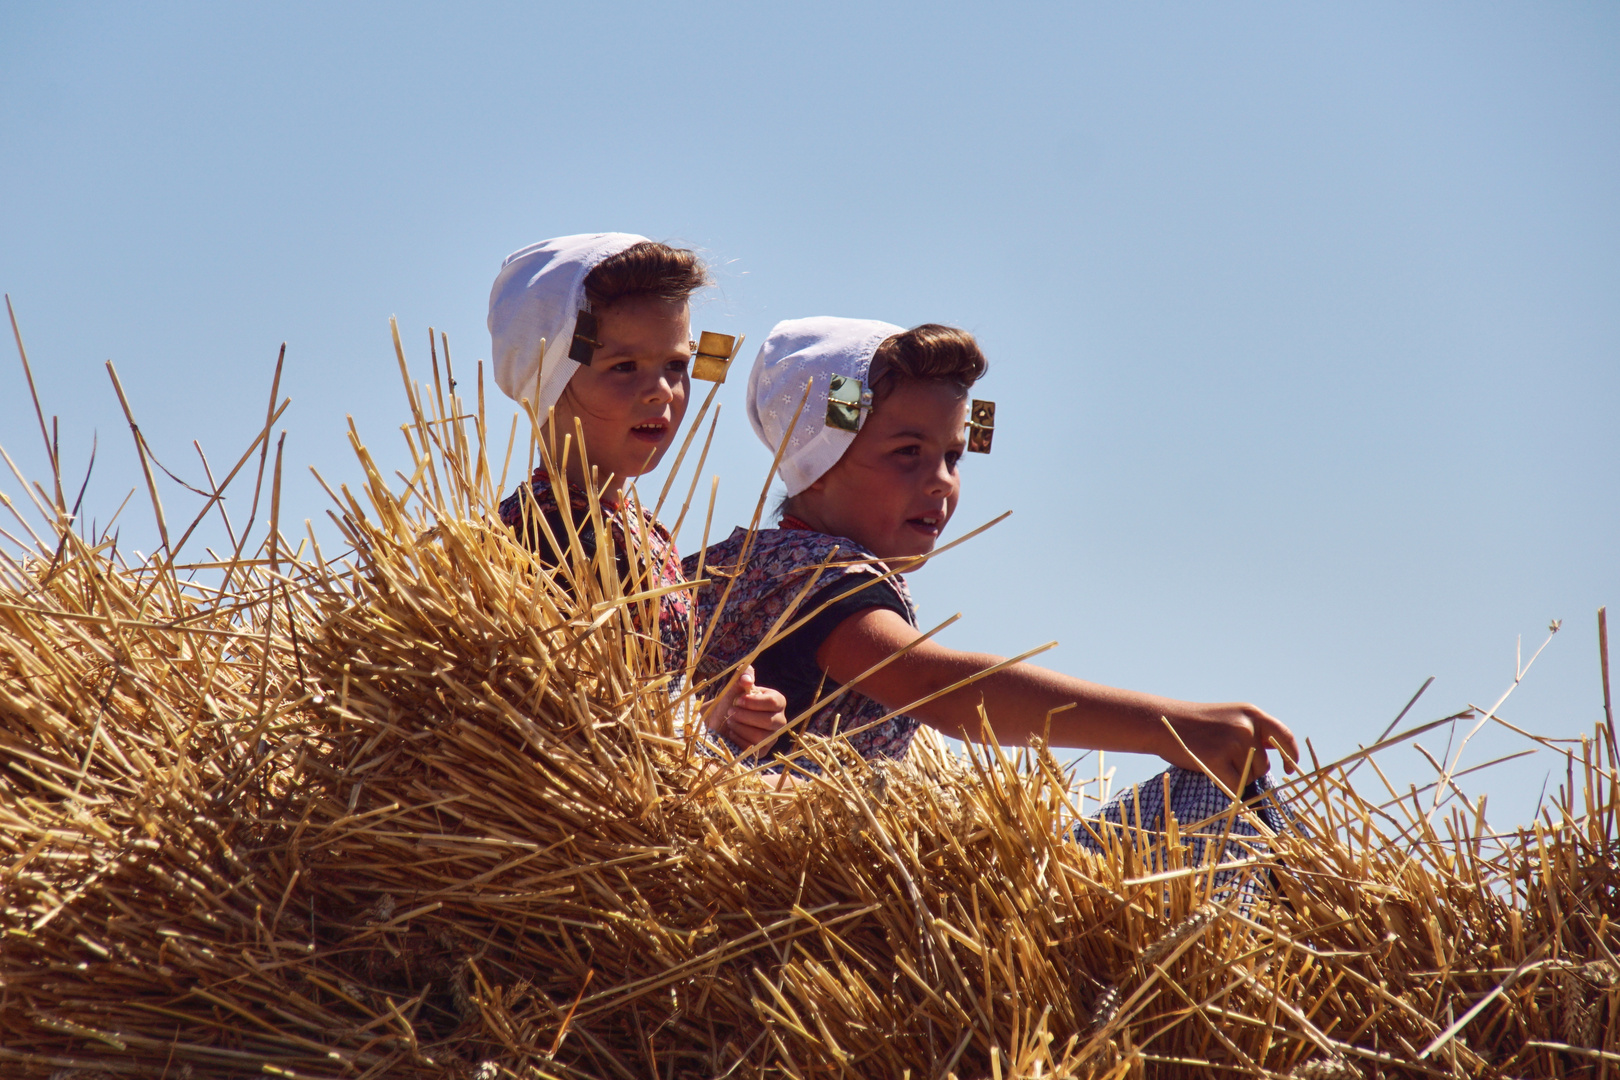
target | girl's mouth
[
  {"x": 652, "y": 431},
  {"x": 928, "y": 525}
]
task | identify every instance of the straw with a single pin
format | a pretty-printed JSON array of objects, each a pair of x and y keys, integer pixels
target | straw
[{"x": 421, "y": 810}]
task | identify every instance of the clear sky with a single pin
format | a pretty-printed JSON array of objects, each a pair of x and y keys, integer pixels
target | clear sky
[{"x": 1304, "y": 320}]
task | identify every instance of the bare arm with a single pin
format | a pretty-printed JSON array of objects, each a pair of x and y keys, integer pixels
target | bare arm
[{"x": 1018, "y": 699}]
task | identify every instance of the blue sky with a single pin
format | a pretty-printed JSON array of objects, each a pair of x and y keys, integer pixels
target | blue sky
[{"x": 1304, "y": 320}]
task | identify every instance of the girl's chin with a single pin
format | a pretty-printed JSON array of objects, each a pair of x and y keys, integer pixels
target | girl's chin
[
  {"x": 641, "y": 459},
  {"x": 907, "y": 547}
]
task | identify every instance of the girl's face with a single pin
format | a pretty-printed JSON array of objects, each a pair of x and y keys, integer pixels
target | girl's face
[
  {"x": 897, "y": 485},
  {"x": 632, "y": 397}
]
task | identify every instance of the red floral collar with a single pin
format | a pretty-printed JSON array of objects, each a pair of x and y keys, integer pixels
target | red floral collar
[{"x": 576, "y": 494}]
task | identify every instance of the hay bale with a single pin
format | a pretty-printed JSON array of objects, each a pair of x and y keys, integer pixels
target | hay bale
[{"x": 428, "y": 813}]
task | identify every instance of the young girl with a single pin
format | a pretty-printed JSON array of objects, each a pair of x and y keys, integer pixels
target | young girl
[
  {"x": 860, "y": 503},
  {"x": 594, "y": 331}
]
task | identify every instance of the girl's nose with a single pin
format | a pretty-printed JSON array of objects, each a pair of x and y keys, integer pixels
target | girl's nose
[
  {"x": 660, "y": 391},
  {"x": 943, "y": 479}
]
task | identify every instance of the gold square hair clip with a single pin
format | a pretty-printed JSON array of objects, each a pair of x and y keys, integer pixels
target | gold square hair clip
[
  {"x": 848, "y": 401},
  {"x": 981, "y": 426},
  {"x": 584, "y": 343},
  {"x": 712, "y": 353}
]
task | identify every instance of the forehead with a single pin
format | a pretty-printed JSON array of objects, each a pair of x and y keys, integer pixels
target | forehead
[
  {"x": 644, "y": 322},
  {"x": 931, "y": 408}
]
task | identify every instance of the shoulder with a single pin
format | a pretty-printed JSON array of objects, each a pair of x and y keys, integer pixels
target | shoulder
[
  {"x": 723, "y": 555},
  {"x": 779, "y": 553},
  {"x": 788, "y": 550},
  {"x": 773, "y": 566}
]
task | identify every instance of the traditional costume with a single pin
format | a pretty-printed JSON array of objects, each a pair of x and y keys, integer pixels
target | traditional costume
[{"x": 540, "y": 323}]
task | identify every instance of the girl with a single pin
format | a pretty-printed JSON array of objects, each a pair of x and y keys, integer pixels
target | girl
[
  {"x": 594, "y": 331},
  {"x": 860, "y": 502}
]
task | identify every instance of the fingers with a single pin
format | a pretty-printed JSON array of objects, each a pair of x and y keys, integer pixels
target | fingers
[
  {"x": 716, "y": 715},
  {"x": 760, "y": 711},
  {"x": 751, "y": 726},
  {"x": 746, "y": 733},
  {"x": 1274, "y": 733},
  {"x": 1289, "y": 748},
  {"x": 1258, "y": 767},
  {"x": 716, "y": 712},
  {"x": 763, "y": 699},
  {"x": 750, "y": 714},
  {"x": 1236, "y": 737},
  {"x": 759, "y": 698},
  {"x": 1258, "y": 731},
  {"x": 1231, "y": 776}
]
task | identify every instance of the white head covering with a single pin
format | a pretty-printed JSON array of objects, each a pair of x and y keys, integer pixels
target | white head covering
[
  {"x": 801, "y": 351},
  {"x": 537, "y": 295}
]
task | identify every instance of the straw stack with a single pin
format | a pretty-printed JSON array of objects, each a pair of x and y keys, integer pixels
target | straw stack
[{"x": 427, "y": 810}]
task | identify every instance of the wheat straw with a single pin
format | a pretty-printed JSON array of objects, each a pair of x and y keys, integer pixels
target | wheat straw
[{"x": 424, "y": 810}]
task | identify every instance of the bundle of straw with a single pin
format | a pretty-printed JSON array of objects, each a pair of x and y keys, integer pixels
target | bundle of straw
[{"x": 430, "y": 809}]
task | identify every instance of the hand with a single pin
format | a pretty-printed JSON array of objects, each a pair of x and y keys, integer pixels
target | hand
[
  {"x": 747, "y": 714},
  {"x": 1221, "y": 737}
]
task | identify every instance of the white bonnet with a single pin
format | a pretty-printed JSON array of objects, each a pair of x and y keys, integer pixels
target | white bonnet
[
  {"x": 536, "y": 297},
  {"x": 801, "y": 351}
]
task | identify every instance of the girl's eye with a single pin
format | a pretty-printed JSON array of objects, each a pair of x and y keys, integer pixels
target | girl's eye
[
  {"x": 909, "y": 451},
  {"x": 678, "y": 365},
  {"x": 951, "y": 458},
  {"x": 628, "y": 367}
]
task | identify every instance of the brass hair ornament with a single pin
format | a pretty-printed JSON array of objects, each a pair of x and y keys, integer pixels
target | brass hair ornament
[
  {"x": 981, "y": 426},
  {"x": 584, "y": 343},
  {"x": 848, "y": 400},
  {"x": 712, "y": 355}
]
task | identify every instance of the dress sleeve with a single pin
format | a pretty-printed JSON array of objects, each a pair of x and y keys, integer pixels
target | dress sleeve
[{"x": 790, "y": 667}]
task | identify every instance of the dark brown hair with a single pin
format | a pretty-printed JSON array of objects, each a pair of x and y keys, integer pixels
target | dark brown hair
[
  {"x": 927, "y": 353},
  {"x": 646, "y": 269}
]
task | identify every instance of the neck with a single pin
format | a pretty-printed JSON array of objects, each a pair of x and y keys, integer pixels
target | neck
[
  {"x": 795, "y": 515},
  {"x": 610, "y": 492}
]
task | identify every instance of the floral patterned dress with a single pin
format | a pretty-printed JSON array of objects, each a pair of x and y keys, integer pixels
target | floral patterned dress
[
  {"x": 632, "y": 533},
  {"x": 761, "y": 587}
]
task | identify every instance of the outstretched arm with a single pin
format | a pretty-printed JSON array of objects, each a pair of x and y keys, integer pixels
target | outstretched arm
[{"x": 1019, "y": 699}]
